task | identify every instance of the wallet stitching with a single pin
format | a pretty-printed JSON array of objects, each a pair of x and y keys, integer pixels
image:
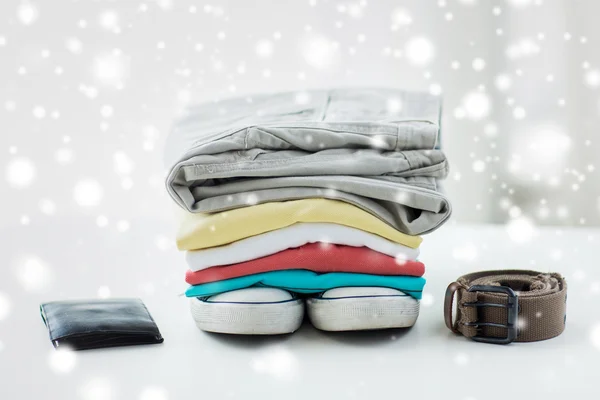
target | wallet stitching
[
  {"x": 151, "y": 319},
  {"x": 109, "y": 331},
  {"x": 47, "y": 322}
]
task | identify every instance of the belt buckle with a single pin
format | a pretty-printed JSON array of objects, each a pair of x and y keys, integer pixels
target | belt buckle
[{"x": 512, "y": 307}]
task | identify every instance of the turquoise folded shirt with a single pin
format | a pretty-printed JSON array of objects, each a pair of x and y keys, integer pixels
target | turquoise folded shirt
[{"x": 304, "y": 281}]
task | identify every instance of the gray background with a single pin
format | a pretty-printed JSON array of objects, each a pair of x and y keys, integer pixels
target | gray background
[
  {"x": 105, "y": 80},
  {"x": 88, "y": 90}
]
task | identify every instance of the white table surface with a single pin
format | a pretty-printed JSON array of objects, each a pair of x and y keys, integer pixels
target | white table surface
[{"x": 425, "y": 362}]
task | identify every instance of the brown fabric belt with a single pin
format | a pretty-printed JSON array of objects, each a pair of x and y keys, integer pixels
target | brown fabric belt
[{"x": 507, "y": 305}]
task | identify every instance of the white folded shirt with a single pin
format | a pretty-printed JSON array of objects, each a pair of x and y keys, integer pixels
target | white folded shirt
[{"x": 294, "y": 236}]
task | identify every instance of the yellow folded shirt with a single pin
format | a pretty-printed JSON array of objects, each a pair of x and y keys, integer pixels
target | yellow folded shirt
[{"x": 200, "y": 231}]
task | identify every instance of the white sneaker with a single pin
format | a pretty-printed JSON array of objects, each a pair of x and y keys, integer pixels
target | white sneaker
[
  {"x": 250, "y": 311},
  {"x": 362, "y": 308}
]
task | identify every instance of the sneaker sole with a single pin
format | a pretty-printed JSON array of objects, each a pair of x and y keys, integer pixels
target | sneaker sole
[
  {"x": 362, "y": 312},
  {"x": 248, "y": 318}
]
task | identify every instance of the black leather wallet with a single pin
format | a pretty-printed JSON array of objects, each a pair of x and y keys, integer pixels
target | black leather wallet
[{"x": 93, "y": 324}]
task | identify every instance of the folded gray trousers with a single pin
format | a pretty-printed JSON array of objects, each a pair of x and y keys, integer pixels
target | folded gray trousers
[{"x": 374, "y": 148}]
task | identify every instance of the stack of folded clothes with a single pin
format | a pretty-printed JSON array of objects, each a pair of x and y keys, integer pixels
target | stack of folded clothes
[{"x": 315, "y": 197}]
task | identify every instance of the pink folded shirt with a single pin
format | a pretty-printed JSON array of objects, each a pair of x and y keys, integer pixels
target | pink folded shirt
[{"x": 317, "y": 257}]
